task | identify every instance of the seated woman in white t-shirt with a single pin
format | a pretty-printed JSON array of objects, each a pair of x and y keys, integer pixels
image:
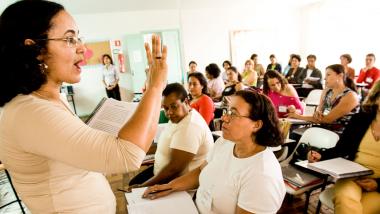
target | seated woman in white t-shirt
[
  {"x": 241, "y": 174},
  {"x": 183, "y": 144}
]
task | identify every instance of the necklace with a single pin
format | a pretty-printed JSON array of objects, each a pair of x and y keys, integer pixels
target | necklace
[
  {"x": 375, "y": 136},
  {"x": 49, "y": 99}
]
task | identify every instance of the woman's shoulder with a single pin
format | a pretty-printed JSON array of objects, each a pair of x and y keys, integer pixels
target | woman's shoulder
[
  {"x": 205, "y": 98},
  {"x": 290, "y": 91}
]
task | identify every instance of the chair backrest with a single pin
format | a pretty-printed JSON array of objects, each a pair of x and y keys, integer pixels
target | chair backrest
[
  {"x": 316, "y": 137},
  {"x": 313, "y": 97},
  {"x": 319, "y": 137}
]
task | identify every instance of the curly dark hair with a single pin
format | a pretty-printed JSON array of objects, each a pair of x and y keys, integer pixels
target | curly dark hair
[
  {"x": 213, "y": 70},
  {"x": 21, "y": 70},
  {"x": 261, "y": 108},
  {"x": 270, "y": 74},
  {"x": 109, "y": 57},
  {"x": 202, "y": 80}
]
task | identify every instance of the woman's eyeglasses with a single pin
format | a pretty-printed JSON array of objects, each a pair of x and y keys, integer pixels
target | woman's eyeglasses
[
  {"x": 71, "y": 41},
  {"x": 232, "y": 114}
]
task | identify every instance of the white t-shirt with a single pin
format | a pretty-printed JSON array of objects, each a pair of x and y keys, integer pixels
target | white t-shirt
[
  {"x": 216, "y": 85},
  {"x": 255, "y": 184},
  {"x": 110, "y": 75},
  {"x": 56, "y": 161},
  {"x": 191, "y": 135}
]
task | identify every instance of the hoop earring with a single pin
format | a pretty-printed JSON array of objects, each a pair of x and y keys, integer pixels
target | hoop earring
[{"x": 43, "y": 67}]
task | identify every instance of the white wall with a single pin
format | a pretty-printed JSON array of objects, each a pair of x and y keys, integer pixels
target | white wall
[
  {"x": 332, "y": 28},
  {"x": 206, "y": 32}
]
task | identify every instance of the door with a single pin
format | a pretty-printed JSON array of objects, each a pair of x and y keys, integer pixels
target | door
[{"x": 137, "y": 62}]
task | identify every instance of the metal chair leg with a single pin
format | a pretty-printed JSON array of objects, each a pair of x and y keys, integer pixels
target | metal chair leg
[{"x": 308, "y": 193}]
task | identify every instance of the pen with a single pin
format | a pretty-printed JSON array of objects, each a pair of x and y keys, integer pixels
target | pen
[{"x": 157, "y": 191}]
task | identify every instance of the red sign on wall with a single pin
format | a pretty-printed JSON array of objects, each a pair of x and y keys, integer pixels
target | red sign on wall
[{"x": 117, "y": 43}]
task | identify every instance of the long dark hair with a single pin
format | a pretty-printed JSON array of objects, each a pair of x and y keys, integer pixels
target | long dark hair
[
  {"x": 339, "y": 69},
  {"x": 202, "y": 80},
  {"x": 270, "y": 74},
  {"x": 21, "y": 71},
  {"x": 261, "y": 108}
]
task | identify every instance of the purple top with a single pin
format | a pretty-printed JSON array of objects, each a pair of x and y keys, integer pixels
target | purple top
[{"x": 281, "y": 102}]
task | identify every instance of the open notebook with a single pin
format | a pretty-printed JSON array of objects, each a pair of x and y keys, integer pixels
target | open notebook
[
  {"x": 177, "y": 202},
  {"x": 340, "y": 168}
]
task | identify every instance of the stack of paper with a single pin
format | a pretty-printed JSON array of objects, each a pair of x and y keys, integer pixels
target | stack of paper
[
  {"x": 177, "y": 202},
  {"x": 340, "y": 168},
  {"x": 296, "y": 178}
]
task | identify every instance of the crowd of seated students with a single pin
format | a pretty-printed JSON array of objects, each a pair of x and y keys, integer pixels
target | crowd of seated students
[
  {"x": 282, "y": 94},
  {"x": 338, "y": 103},
  {"x": 360, "y": 143}
]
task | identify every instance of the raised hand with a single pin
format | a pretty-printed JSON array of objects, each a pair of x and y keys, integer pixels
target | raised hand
[{"x": 158, "y": 68}]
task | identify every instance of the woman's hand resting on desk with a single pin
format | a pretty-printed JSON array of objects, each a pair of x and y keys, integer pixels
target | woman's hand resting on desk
[
  {"x": 318, "y": 115},
  {"x": 158, "y": 191},
  {"x": 313, "y": 156},
  {"x": 368, "y": 184}
]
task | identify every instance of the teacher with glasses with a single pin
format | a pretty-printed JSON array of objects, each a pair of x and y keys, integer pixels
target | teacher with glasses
[
  {"x": 241, "y": 174},
  {"x": 57, "y": 162}
]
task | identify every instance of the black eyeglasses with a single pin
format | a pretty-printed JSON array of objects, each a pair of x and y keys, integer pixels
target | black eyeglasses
[{"x": 71, "y": 41}]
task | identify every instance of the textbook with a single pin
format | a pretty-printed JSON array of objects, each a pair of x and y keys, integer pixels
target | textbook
[
  {"x": 297, "y": 179},
  {"x": 176, "y": 202},
  {"x": 110, "y": 115},
  {"x": 340, "y": 168}
]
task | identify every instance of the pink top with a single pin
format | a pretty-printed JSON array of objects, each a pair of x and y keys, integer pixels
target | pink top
[
  {"x": 205, "y": 106},
  {"x": 281, "y": 102}
]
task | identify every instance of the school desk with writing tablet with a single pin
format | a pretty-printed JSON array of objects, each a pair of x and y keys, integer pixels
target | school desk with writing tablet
[{"x": 177, "y": 202}]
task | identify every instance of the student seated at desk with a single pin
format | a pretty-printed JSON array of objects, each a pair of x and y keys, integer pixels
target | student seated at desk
[
  {"x": 233, "y": 85},
  {"x": 241, "y": 174},
  {"x": 183, "y": 144},
  {"x": 338, "y": 101},
  {"x": 359, "y": 143},
  {"x": 199, "y": 98},
  {"x": 283, "y": 95}
]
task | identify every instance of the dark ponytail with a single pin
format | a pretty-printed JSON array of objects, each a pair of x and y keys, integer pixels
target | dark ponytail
[{"x": 350, "y": 83}]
